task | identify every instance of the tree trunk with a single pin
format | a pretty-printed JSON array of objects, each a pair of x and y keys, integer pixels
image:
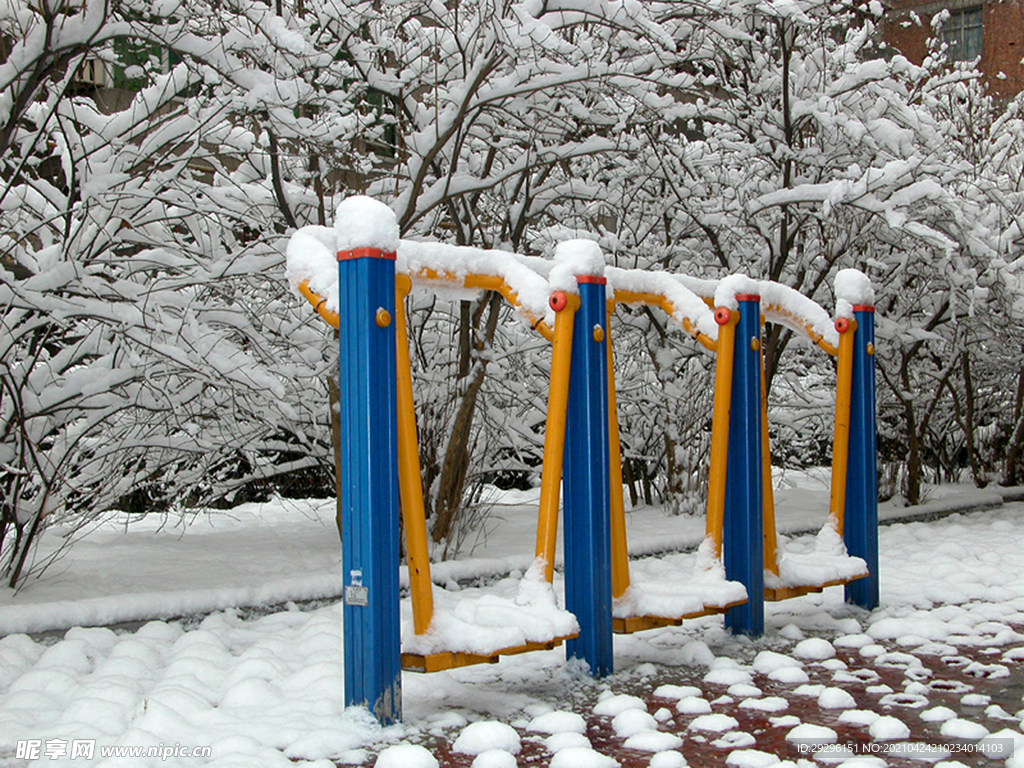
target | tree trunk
[
  {"x": 452, "y": 480},
  {"x": 972, "y": 455},
  {"x": 629, "y": 477}
]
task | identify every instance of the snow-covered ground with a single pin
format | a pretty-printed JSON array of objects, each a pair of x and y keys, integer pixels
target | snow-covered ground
[{"x": 267, "y": 691}]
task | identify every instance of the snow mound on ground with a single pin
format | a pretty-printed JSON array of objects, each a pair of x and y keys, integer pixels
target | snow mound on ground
[
  {"x": 767, "y": 662},
  {"x": 937, "y": 714},
  {"x": 853, "y": 641},
  {"x": 751, "y": 758},
  {"x": 406, "y": 756},
  {"x": 495, "y": 758},
  {"x": 858, "y": 717},
  {"x": 559, "y": 721},
  {"x": 808, "y": 732},
  {"x": 863, "y": 761},
  {"x": 975, "y": 699},
  {"x": 814, "y": 649},
  {"x": 735, "y": 740},
  {"x": 484, "y": 735},
  {"x": 582, "y": 757},
  {"x": 888, "y": 728},
  {"x": 714, "y": 723},
  {"x": 613, "y": 705},
  {"x": 766, "y": 704},
  {"x": 1016, "y": 760},
  {"x": 676, "y": 691},
  {"x": 632, "y": 721},
  {"x": 693, "y": 705},
  {"x": 667, "y": 759},
  {"x": 745, "y": 691},
  {"x": 728, "y": 676},
  {"x": 960, "y": 728},
  {"x": 556, "y": 742},
  {"x": 653, "y": 741},
  {"x": 789, "y": 675},
  {"x": 836, "y": 698}
]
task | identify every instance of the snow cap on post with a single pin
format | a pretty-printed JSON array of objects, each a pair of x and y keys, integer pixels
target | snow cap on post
[
  {"x": 362, "y": 222},
  {"x": 573, "y": 259},
  {"x": 731, "y": 287},
  {"x": 853, "y": 289}
]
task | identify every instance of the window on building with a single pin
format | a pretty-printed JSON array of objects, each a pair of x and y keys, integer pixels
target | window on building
[
  {"x": 962, "y": 33},
  {"x": 135, "y": 61}
]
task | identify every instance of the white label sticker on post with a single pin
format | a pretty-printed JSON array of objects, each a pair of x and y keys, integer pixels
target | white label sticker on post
[
  {"x": 355, "y": 593},
  {"x": 358, "y": 596}
]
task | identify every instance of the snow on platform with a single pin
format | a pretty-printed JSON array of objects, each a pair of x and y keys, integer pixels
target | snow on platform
[
  {"x": 512, "y": 616},
  {"x": 677, "y": 586},
  {"x": 807, "y": 563}
]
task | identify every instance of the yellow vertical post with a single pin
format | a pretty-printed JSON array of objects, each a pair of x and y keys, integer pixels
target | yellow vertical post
[
  {"x": 727, "y": 321},
  {"x": 841, "y": 437},
  {"x": 620, "y": 550},
  {"x": 554, "y": 434},
  {"x": 771, "y": 560},
  {"x": 410, "y": 484}
]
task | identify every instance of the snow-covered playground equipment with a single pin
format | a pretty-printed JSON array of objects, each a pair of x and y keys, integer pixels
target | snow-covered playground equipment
[{"x": 357, "y": 274}]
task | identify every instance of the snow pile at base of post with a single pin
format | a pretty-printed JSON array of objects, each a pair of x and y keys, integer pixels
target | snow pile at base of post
[
  {"x": 524, "y": 275},
  {"x": 816, "y": 559},
  {"x": 678, "y": 585},
  {"x": 853, "y": 288},
  {"x": 688, "y": 305},
  {"x": 508, "y": 614}
]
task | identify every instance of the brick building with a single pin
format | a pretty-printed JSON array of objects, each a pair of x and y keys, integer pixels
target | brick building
[{"x": 990, "y": 29}]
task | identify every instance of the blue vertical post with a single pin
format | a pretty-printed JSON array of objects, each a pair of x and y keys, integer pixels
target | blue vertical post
[
  {"x": 588, "y": 572},
  {"x": 861, "y": 525},
  {"x": 369, "y": 476},
  {"x": 743, "y": 529}
]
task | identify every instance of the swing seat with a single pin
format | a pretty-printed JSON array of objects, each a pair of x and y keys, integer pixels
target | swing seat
[
  {"x": 665, "y": 591},
  {"x": 808, "y": 564},
  {"x": 477, "y": 625}
]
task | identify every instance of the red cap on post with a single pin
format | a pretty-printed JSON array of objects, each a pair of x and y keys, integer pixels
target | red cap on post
[{"x": 366, "y": 253}]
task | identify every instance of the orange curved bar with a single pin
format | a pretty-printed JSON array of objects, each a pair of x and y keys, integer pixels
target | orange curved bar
[
  {"x": 319, "y": 304},
  {"x": 658, "y": 300},
  {"x": 489, "y": 283},
  {"x": 473, "y": 282},
  {"x": 817, "y": 338}
]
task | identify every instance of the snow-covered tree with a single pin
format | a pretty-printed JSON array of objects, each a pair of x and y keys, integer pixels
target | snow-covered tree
[{"x": 148, "y": 349}]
